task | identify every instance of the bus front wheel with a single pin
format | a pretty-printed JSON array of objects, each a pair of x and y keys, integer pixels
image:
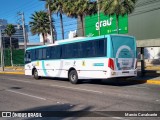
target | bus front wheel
[
  {"x": 73, "y": 77},
  {"x": 35, "y": 74}
]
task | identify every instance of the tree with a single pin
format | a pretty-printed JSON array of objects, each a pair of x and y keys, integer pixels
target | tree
[
  {"x": 40, "y": 24},
  {"x": 57, "y": 6},
  {"x": 9, "y": 31},
  {"x": 80, "y": 8},
  {"x": 117, "y": 7}
]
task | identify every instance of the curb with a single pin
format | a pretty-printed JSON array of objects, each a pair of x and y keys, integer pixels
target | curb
[
  {"x": 155, "y": 82},
  {"x": 15, "y": 73}
]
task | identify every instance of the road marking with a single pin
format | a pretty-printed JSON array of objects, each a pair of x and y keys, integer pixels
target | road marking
[
  {"x": 140, "y": 87},
  {"x": 76, "y": 89},
  {"x": 26, "y": 94}
]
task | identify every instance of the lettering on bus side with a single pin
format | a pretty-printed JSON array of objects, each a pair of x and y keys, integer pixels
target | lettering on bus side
[{"x": 98, "y": 64}]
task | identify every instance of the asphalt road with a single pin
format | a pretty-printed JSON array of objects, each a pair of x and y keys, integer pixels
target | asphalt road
[{"x": 23, "y": 93}]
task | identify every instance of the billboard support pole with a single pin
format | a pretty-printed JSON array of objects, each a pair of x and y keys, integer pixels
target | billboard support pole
[{"x": 99, "y": 31}]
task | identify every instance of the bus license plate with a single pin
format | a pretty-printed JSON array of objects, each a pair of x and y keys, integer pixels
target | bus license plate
[{"x": 125, "y": 71}]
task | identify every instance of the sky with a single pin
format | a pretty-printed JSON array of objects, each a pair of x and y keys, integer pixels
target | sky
[{"x": 10, "y": 8}]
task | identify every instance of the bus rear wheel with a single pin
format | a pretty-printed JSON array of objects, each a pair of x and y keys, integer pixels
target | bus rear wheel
[
  {"x": 73, "y": 77},
  {"x": 35, "y": 74}
]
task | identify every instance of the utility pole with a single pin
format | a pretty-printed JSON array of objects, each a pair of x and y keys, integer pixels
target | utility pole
[
  {"x": 1, "y": 45},
  {"x": 24, "y": 29},
  {"x": 99, "y": 31}
]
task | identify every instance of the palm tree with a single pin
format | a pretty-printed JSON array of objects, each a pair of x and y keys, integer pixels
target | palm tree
[
  {"x": 40, "y": 24},
  {"x": 9, "y": 31},
  {"x": 80, "y": 8},
  {"x": 56, "y": 6},
  {"x": 117, "y": 7}
]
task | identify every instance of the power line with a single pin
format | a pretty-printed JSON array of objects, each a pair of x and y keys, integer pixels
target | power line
[{"x": 29, "y": 3}]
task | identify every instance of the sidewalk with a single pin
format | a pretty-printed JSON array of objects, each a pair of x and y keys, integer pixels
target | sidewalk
[
  {"x": 12, "y": 70},
  {"x": 149, "y": 78}
]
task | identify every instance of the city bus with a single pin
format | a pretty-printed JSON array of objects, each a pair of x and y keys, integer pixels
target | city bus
[{"x": 101, "y": 57}]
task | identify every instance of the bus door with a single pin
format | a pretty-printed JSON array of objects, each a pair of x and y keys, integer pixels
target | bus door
[{"x": 27, "y": 61}]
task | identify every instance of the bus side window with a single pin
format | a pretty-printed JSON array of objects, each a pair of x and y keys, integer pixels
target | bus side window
[
  {"x": 52, "y": 52},
  {"x": 40, "y": 54},
  {"x": 92, "y": 48},
  {"x": 101, "y": 51},
  {"x": 83, "y": 49},
  {"x": 80, "y": 50},
  {"x": 36, "y": 54},
  {"x": 44, "y": 50},
  {"x": 63, "y": 51},
  {"x": 74, "y": 50},
  {"x": 57, "y": 52},
  {"x": 48, "y": 53},
  {"x": 27, "y": 57},
  {"x": 33, "y": 55},
  {"x": 88, "y": 49}
]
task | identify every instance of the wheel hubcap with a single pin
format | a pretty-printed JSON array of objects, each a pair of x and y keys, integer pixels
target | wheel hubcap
[
  {"x": 73, "y": 77},
  {"x": 36, "y": 73}
]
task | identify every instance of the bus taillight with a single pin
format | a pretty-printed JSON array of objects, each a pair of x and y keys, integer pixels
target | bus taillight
[{"x": 111, "y": 63}]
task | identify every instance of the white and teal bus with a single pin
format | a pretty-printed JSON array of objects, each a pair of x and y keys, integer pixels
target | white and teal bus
[{"x": 102, "y": 57}]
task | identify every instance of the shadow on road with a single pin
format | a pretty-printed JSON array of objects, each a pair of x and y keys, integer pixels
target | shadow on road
[
  {"x": 115, "y": 82},
  {"x": 112, "y": 82},
  {"x": 56, "y": 110}
]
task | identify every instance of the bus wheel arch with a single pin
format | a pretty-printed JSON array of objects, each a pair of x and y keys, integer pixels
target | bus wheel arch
[
  {"x": 73, "y": 76},
  {"x": 35, "y": 74}
]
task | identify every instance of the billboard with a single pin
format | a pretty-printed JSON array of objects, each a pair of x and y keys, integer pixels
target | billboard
[{"x": 107, "y": 25}]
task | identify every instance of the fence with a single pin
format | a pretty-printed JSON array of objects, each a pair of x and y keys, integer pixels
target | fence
[{"x": 18, "y": 57}]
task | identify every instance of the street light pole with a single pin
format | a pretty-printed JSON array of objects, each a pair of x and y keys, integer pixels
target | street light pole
[{"x": 24, "y": 31}]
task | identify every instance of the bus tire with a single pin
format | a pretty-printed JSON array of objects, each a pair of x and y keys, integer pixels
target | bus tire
[
  {"x": 35, "y": 74},
  {"x": 73, "y": 77}
]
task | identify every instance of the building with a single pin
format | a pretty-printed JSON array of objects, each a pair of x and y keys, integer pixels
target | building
[
  {"x": 47, "y": 38},
  {"x": 6, "y": 42},
  {"x": 19, "y": 30},
  {"x": 21, "y": 45},
  {"x": 3, "y": 22},
  {"x": 144, "y": 24},
  {"x": 19, "y": 33}
]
